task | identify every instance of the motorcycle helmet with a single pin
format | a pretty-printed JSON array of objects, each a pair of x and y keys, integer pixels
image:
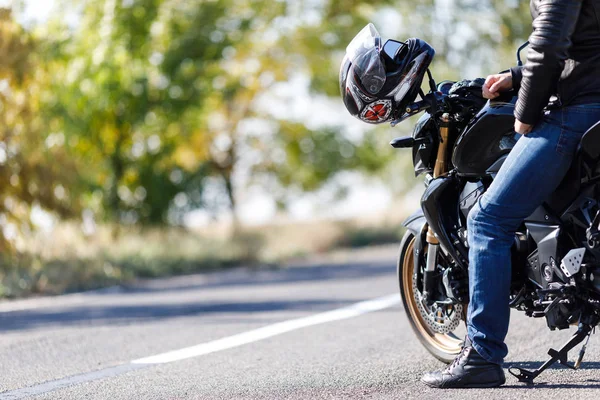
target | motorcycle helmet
[{"x": 378, "y": 80}]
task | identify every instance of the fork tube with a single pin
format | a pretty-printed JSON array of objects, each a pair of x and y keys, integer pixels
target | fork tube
[
  {"x": 432, "y": 257},
  {"x": 429, "y": 279},
  {"x": 440, "y": 166},
  {"x": 433, "y": 243},
  {"x": 440, "y": 162}
]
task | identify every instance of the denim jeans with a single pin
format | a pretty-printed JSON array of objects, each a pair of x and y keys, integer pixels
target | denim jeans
[{"x": 532, "y": 171}]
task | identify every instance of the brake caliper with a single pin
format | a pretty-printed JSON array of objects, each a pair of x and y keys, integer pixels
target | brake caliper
[{"x": 456, "y": 283}]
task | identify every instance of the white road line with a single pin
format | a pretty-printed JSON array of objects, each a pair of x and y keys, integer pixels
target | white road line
[
  {"x": 271, "y": 330},
  {"x": 51, "y": 386},
  {"x": 229, "y": 342}
]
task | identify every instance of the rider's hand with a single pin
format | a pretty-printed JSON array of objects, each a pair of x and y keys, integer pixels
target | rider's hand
[
  {"x": 522, "y": 128},
  {"x": 494, "y": 84}
]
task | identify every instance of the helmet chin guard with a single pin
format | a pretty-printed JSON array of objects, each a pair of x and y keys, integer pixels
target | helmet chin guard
[{"x": 376, "y": 112}]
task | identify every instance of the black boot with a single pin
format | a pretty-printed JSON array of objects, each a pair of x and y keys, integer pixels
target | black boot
[{"x": 468, "y": 370}]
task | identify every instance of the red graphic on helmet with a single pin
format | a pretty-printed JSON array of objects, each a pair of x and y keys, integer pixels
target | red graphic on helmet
[{"x": 377, "y": 112}]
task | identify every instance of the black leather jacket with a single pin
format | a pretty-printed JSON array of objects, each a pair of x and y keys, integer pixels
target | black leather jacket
[{"x": 563, "y": 57}]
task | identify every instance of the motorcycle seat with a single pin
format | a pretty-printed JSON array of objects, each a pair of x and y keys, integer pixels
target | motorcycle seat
[
  {"x": 590, "y": 143},
  {"x": 588, "y": 154}
]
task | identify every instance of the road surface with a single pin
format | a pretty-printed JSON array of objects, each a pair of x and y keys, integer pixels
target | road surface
[{"x": 326, "y": 329}]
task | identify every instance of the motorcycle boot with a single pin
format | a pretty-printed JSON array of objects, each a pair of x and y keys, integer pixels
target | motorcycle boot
[{"x": 468, "y": 370}]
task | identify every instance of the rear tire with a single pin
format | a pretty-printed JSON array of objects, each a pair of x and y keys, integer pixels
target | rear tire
[{"x": 438, "y": 338}]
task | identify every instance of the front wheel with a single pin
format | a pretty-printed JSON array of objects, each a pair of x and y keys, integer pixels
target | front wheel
[{"x": 439, "y": 327}]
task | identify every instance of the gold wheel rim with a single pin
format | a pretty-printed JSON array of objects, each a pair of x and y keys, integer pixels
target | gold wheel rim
[{"x": 444, "y": 342}]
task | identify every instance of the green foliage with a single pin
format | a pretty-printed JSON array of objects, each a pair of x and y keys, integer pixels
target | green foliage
[
  {"x": 315, "y": 156},
  {"x": 125, "y": 106},
  {"x": 34, "y": 171},
  {"x": 144, "y": 106},
  {"x": 322, "y": 46},
  {"x": 130, "y": 107}
]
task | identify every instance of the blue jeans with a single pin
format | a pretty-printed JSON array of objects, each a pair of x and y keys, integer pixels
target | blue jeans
[{"x": 532, "y": 171}]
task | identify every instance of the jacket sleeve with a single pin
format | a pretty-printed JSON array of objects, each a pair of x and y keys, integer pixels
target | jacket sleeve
[
  {"x": 549, "y": 45},
  {"x": 517, "y": 75}
]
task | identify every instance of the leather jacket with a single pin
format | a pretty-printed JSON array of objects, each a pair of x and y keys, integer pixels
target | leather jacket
[{"x": 563, "y": 57}]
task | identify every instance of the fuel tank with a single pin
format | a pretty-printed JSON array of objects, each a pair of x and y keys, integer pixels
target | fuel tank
[{"x": 486, "y": 139}]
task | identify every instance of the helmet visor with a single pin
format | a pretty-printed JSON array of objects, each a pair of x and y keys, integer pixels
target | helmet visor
[{"x": 363, "y": 52}]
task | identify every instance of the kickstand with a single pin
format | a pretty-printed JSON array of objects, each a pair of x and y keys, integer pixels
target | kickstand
[{"x": 560, "y": 356}]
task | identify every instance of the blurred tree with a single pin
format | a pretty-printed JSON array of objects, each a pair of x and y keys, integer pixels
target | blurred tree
[
  {"x": 35, "y": 171},
  {"x": 242, "y": 63},
  {"x": 304, "y": 154},
  {"x": 302, "y": 159},
  {"x": 165, "y": 96},
  {"x": 156, "y": 95},
  {"x": 134, "y": 84},
  {"x": 286, "y": 153}
]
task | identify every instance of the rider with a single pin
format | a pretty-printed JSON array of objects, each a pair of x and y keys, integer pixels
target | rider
[
  {"x": 563, "y": 63},
  {"x": 558, "y": 100}
]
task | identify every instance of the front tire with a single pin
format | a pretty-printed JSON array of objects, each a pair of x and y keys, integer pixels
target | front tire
[{"x": 436, "y": 327}]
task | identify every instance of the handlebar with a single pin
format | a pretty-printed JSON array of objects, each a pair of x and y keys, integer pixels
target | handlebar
[{"x": 430, "y": 101}]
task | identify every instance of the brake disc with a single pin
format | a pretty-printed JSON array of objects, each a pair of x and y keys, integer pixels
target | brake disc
[{"x": 440, "y": 319}]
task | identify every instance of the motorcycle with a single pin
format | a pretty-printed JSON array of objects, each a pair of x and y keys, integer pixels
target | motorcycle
[{"x": 460, "y": 143}]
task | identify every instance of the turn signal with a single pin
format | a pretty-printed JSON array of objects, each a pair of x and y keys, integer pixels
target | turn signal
[{"x": 402, "y": 142}]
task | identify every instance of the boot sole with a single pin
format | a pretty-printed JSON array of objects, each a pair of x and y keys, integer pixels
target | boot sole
[{"x": 473, "y": 385}]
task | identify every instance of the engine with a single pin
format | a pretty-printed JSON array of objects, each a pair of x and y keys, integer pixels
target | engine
[{"x": 556, "y": 274}]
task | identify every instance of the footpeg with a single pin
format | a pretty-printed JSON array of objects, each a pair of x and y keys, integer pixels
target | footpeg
[{"x": 571, "y": 263}]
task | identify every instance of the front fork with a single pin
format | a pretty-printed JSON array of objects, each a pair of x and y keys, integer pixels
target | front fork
[
  {"x": 455, "y": 285},
  {"x": 430, "y": 275},
  {"x": 430, "y": 278}
]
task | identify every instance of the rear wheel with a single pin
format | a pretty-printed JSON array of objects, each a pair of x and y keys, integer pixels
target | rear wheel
[{"x": 439, "y": 327}]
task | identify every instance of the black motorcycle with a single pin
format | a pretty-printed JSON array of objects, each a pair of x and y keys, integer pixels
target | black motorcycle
[{"x": 460, "y": 143}]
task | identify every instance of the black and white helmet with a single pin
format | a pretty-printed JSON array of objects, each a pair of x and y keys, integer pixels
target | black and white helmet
[{"x": 378, "y": 80}]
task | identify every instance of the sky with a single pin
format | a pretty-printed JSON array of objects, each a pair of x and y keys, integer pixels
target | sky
[{"x": 35, "y": 10}]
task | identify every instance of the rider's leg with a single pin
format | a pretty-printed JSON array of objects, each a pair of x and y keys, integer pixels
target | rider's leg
[{"x": 532, "y": 171}]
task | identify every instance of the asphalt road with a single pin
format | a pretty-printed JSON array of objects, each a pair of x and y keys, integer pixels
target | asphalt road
[{"x": 244, "y": 334}]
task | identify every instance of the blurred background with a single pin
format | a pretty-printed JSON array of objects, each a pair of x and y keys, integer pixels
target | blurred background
[{"x": 146, "y": 138}]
